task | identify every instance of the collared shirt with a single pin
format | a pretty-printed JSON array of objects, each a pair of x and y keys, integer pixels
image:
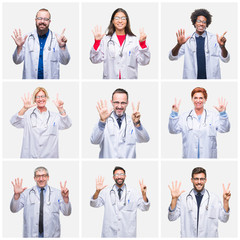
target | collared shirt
[
  {"x": 44, "y": 190},
  {"x": 202, "y": 192},
  {"x": 42, "y": 41},
  {"x": 203, "y": 35}
]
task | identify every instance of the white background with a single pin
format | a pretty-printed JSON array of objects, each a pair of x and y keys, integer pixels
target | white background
[
  {"x": 216, "y": 176},
  {"x": 177, "y": 16},
  {"x": 13, "y": 222},
  {"x": 147, "y": 222},
  {"x": 163, "y": 17},
  {"x": 145, "y": 92},
  {"x": 172, "y": 143},
  {"x": 138, "y": 19},
  {"x": 22, "y": 15},
  {"x": 13, "y": 91}
]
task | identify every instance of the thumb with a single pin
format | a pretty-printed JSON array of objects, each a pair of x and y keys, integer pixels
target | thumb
[{"x": 25, "y": 38}]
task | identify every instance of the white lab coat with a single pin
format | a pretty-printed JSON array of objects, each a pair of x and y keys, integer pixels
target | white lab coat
[
  {"x": 120, "y": 220},
  {"x": 30, "y": 201},
  {"x": 41, "y": 140},
  {"x": 212, "y": 55},
  {"x": 195, "y": 132},
  {"x": 186, "y": 209},
  {"x": 118, "y": 143},
  {"x": 108, "y": 53},
  {"x": 51, "y": 59}
]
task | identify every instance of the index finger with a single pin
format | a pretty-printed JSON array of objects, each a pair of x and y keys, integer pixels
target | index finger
[
  {"x": 61, "y": 185},
  {"x": 138, "y": 106},
  {"x": 65, "y": 184},
  {"x": 133, "y": 107},
  {"x": 224, "y": 33},
  {"x": 63, "y": 31},
  {"x": 57, "y": 97}
]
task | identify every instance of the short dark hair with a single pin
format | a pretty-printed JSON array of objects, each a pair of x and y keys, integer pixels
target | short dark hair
[
  {"x": 198, "y": 170},
  {"x": 120, "y": 90},
  {"x": 118, "y": 168},
  {"x": 201, "y": 12}
]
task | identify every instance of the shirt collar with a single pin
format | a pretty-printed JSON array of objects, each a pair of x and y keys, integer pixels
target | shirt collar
[
  {"x": 202, "y": 192},
  {"x": 39, "y": 189},
  {"x": 123, "y": 187},
  {"x": 203, "y": 35}
]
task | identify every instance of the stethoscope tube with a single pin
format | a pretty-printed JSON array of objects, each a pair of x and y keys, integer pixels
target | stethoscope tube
[
  {"x": 125, "y": 198},
  {"x": 189, "y": 195},
  {"x": 190, "y": 116},
  {"x": 31, "y": 36},
  {"x": 35, "y": 115},
  {"x": 207, "y": 45},
  {"x": 113, "y": 43},
  {"x": 49, "y": 195}
]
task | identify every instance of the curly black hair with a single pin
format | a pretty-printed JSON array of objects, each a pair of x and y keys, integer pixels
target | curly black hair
[{"x": 201, "y": 12}]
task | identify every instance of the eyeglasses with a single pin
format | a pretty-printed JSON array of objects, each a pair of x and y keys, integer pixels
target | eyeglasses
[
  {"x": 119, "y": 174},
  {"x": 121, "y": 103},
  {"x": 200, "y": 21},
  {"x": 44, "y": 19},
  {"x": 43, "y": 176},
  {"x": 118, "y": 18},
  {"x": 42, "y": 96},
  {"x": 199, "y": 179}
]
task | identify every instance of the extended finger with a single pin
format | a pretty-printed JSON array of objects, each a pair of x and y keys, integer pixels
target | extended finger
[
  {"x": 224, "y": 34},
  {"x": 101, "y": 101},
  {"x": 224, "y": 190},
  {"x": 65, "y": 183},
  {"x": 179, "y": 103},
  {"x": 138, "y": 106},
  {"x": 228, "y": 187},
  {"x": 20, "y": 32},
  {"x": 183, "y": 32},
  {"x": 61, "y": 185},
  {"x": 105, "y": 103},
  {"x": 179, "y": 185},
  {"x": 63, "y": 31}
]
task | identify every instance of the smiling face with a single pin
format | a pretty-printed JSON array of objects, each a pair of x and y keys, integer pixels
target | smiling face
[
  {"x": 201, "y": 25},
  {"x": 43, "y": 24},
  {"x": 198, "y": 101},
  {"x": 119, "y": 103},
  {"x": 40, "y": 99},
  {"x": 119, "y": 177},
  {"x": 119, "y": 22},
  {"x": 41, "y": 178},
  {"x": 199, "y": 181}
]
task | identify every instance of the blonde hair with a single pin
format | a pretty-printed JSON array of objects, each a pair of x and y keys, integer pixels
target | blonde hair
[{"x": 36, "y": 91}]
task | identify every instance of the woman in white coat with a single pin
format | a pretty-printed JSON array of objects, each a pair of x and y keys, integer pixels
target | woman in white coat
[
  {"x": 120, "y": 50},
  {"x": 41, "y": 127},
  {"x": 199, "y": 126}
]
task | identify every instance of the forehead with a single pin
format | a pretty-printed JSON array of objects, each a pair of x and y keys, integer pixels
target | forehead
[
  {"x": 201, "y": 18},
  {"x": 199, "y": 175},
  {"x": 198, "y": 94},
  {"x": 118, "y": 171},
  {"x": 40, "y": 93},
  {"x": 120, "y": 97},
  {"x": 40, "y": 172},
  {"x": 43, "y": 14},
  {"x": 119, "y": 14}
]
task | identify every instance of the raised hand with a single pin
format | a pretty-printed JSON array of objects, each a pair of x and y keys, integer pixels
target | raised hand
[
  {"x": 176, "y": 105},
  {"x": 97, "y": 33},
  {"x": 58, "y": 103},
  {"x": 62, "y": 40},
  {"x": 143, "y": 35},
  {"x": 103, "y": 110},
  {"x": 175, "y": 190},
  {"x": 222, "y": 105},
  {"x": 99, "y": 183},
  {"x": 143, "y": 187},
  {"x": 181, "y": 39},
  {"x": 64, "y": 192},
  {"x": 226, "y": 193},
  {"x": 27, "y": 101},
  {"x": 17, "y": 188},
  {"x": 221, "y": 40},
  {"x": 136, "y": 114},
  {"x": 18, "y": 39}
]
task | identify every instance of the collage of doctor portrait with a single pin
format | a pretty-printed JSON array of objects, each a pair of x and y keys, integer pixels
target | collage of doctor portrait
[{"x": 119, "y": 119}]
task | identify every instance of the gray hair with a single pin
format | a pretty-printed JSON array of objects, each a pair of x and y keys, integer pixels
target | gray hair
[{"x": 40, "y": 169}]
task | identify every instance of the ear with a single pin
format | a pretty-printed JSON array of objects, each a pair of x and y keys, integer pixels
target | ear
[
  {"x": 191, "y": 180},
  {"x": 127, "y": 103},
  {"x": 206, "y": 180},
  {"x": 35, "y": 179}
]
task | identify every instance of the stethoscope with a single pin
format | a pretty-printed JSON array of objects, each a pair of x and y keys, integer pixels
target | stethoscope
[
  {"x": 113, "y": 198},
  {"x": 35, "y": 115},
  {"x": 190, "y": 116},
  {"x": 33, "y": 191},
  {"x": 113, "y": 44},
  {"x": 125, "y": 128},
  {"x": 189, "y": 195},
  {"x": 31, "y": 36},
  {"x": 194, "y": 47}
]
